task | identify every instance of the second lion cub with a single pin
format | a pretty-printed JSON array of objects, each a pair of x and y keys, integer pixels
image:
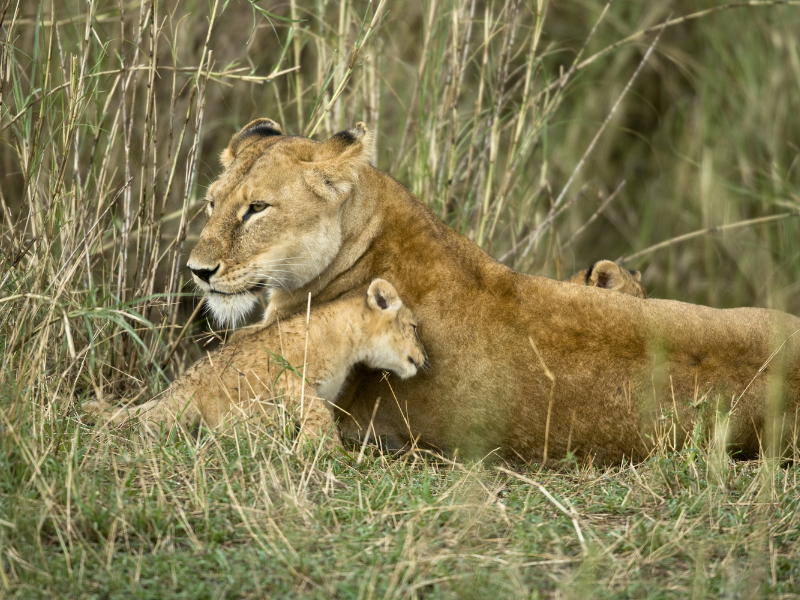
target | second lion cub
[
  {"x": 237, "y": 380},
  {"x": 609, "y": 275}
]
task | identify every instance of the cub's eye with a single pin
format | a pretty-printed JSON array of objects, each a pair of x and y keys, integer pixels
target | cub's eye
[
  {"x": 414, "y": 327},
  {"x": 255, "y": 207},
  {"x": 210, "y": 208}
]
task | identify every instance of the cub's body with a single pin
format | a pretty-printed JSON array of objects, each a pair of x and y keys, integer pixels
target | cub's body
[
  {"x": 609, "y": 275},
  {"x": 249, "y": 376}
]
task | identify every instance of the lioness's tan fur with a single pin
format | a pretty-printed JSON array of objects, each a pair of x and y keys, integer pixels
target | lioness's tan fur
[
  {"x": 609, "y": 275},
  {"x": 624, "y": 369},
  {"x": 239, "y": 379}
]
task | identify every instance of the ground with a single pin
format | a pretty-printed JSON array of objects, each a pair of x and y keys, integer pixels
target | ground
[{"x": 255, "y": 515}]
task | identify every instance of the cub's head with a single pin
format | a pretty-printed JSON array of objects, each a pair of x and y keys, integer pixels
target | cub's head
[
  {"x": 273, "y": 214},
  {"x": 609, "y": 275},
  {"x": 391, "y": 331}
]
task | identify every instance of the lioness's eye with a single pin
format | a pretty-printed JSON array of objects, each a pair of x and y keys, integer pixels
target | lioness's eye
[
  {"x": 255, "y": 207},
  {"x": 210, "y": 208}
]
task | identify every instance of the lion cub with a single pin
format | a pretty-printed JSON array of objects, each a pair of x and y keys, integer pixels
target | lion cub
[
  {"x": 609, "y": 275},
  {"x": 246, "y": 377}
]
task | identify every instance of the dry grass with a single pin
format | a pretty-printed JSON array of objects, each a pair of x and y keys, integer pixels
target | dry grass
[{"x": 518, "y": 123}]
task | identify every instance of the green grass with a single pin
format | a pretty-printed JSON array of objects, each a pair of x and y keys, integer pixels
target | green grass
[
  {"x": 109, "y": 135},
  {"x": 108, "y": 515}
]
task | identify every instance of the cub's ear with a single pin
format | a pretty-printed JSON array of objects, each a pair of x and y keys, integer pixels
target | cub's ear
[
  {"x": 637, "y": 275},
  {"x": 250, "y": 132},
  {"x": 337, "y": 162},
  {"x": 382, "y": 297},
  {"x": 605, "y": 274}
]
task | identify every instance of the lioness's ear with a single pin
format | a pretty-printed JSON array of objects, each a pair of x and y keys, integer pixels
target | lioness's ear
[
  {"x": 251, "y": 131},
  {"x": 382, "y": 297},
  {"x": 637, "y": 275},
  {"x": 337, "y": 162},
  {"x": 605, "y": 274}
]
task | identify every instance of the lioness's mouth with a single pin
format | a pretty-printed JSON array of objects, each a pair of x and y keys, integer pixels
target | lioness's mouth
[
  {"x": 250, "y": 290},
  {"x": 212, "y": 291}
]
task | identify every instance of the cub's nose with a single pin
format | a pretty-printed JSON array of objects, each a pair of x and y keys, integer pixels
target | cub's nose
[{"x": 204, "y": 274}]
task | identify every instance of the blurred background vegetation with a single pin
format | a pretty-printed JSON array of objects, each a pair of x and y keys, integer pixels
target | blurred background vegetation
[
  {"x": 537, "y": 129},
  {"x": 112, "y": 122}
]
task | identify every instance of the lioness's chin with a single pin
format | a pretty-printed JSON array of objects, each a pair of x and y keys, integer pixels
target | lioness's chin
[{"x": 230, "y": 310}]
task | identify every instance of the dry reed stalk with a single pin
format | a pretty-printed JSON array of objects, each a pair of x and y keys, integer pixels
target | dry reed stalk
[
  {"x": 189, "y": 321},
  {"x": 683, "y": 19},
  {"x": 565, "y": 78},
  {"x": 460, "y": 38},
  {"x": 549, "y": 374},
  {"x": 373, "y": 96},
  {"x": 429, "y": 27},
  {"x": 534, "y": 236},
  {"x": 176, "y": 247},
  {"x": 519, "y": 120},
  {"x": 345, "y": 14},
  {"x": 476, "y": 125},
  {"x": 596, "y": 214},
  {"x": 509, "y": 32},
  {"x": 571, "y": 513},
  {"x": 147, "y": 173},
  {"x": 127, "y": 133},
  {"x": 370, "y": 428},
  {"x": 298, "y": 75},
  {"x": 360, "y": 42},
  {"x": 706, "y": 231},
  {"x": 197, "y": 92},
  {"x": 144, "y": 214},
  {"x": 303, "y": 415}
]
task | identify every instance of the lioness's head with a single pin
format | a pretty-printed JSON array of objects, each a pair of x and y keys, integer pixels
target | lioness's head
[
  {"x": 391, "y": 332},
  {"x": 273, "y": 214}
]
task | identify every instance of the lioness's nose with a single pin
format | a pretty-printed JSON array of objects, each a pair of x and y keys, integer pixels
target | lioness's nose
[{"x": 204, "y": 274}]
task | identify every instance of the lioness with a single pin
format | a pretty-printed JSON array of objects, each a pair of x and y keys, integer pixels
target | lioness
[
  {"x": 238, "y": 379},
  {"x": 609, "y": 275},
  {"x": 511, "y": 356}
]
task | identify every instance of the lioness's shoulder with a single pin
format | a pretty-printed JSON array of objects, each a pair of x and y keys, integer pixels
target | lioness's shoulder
[{"x": 609, "y": 275}]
